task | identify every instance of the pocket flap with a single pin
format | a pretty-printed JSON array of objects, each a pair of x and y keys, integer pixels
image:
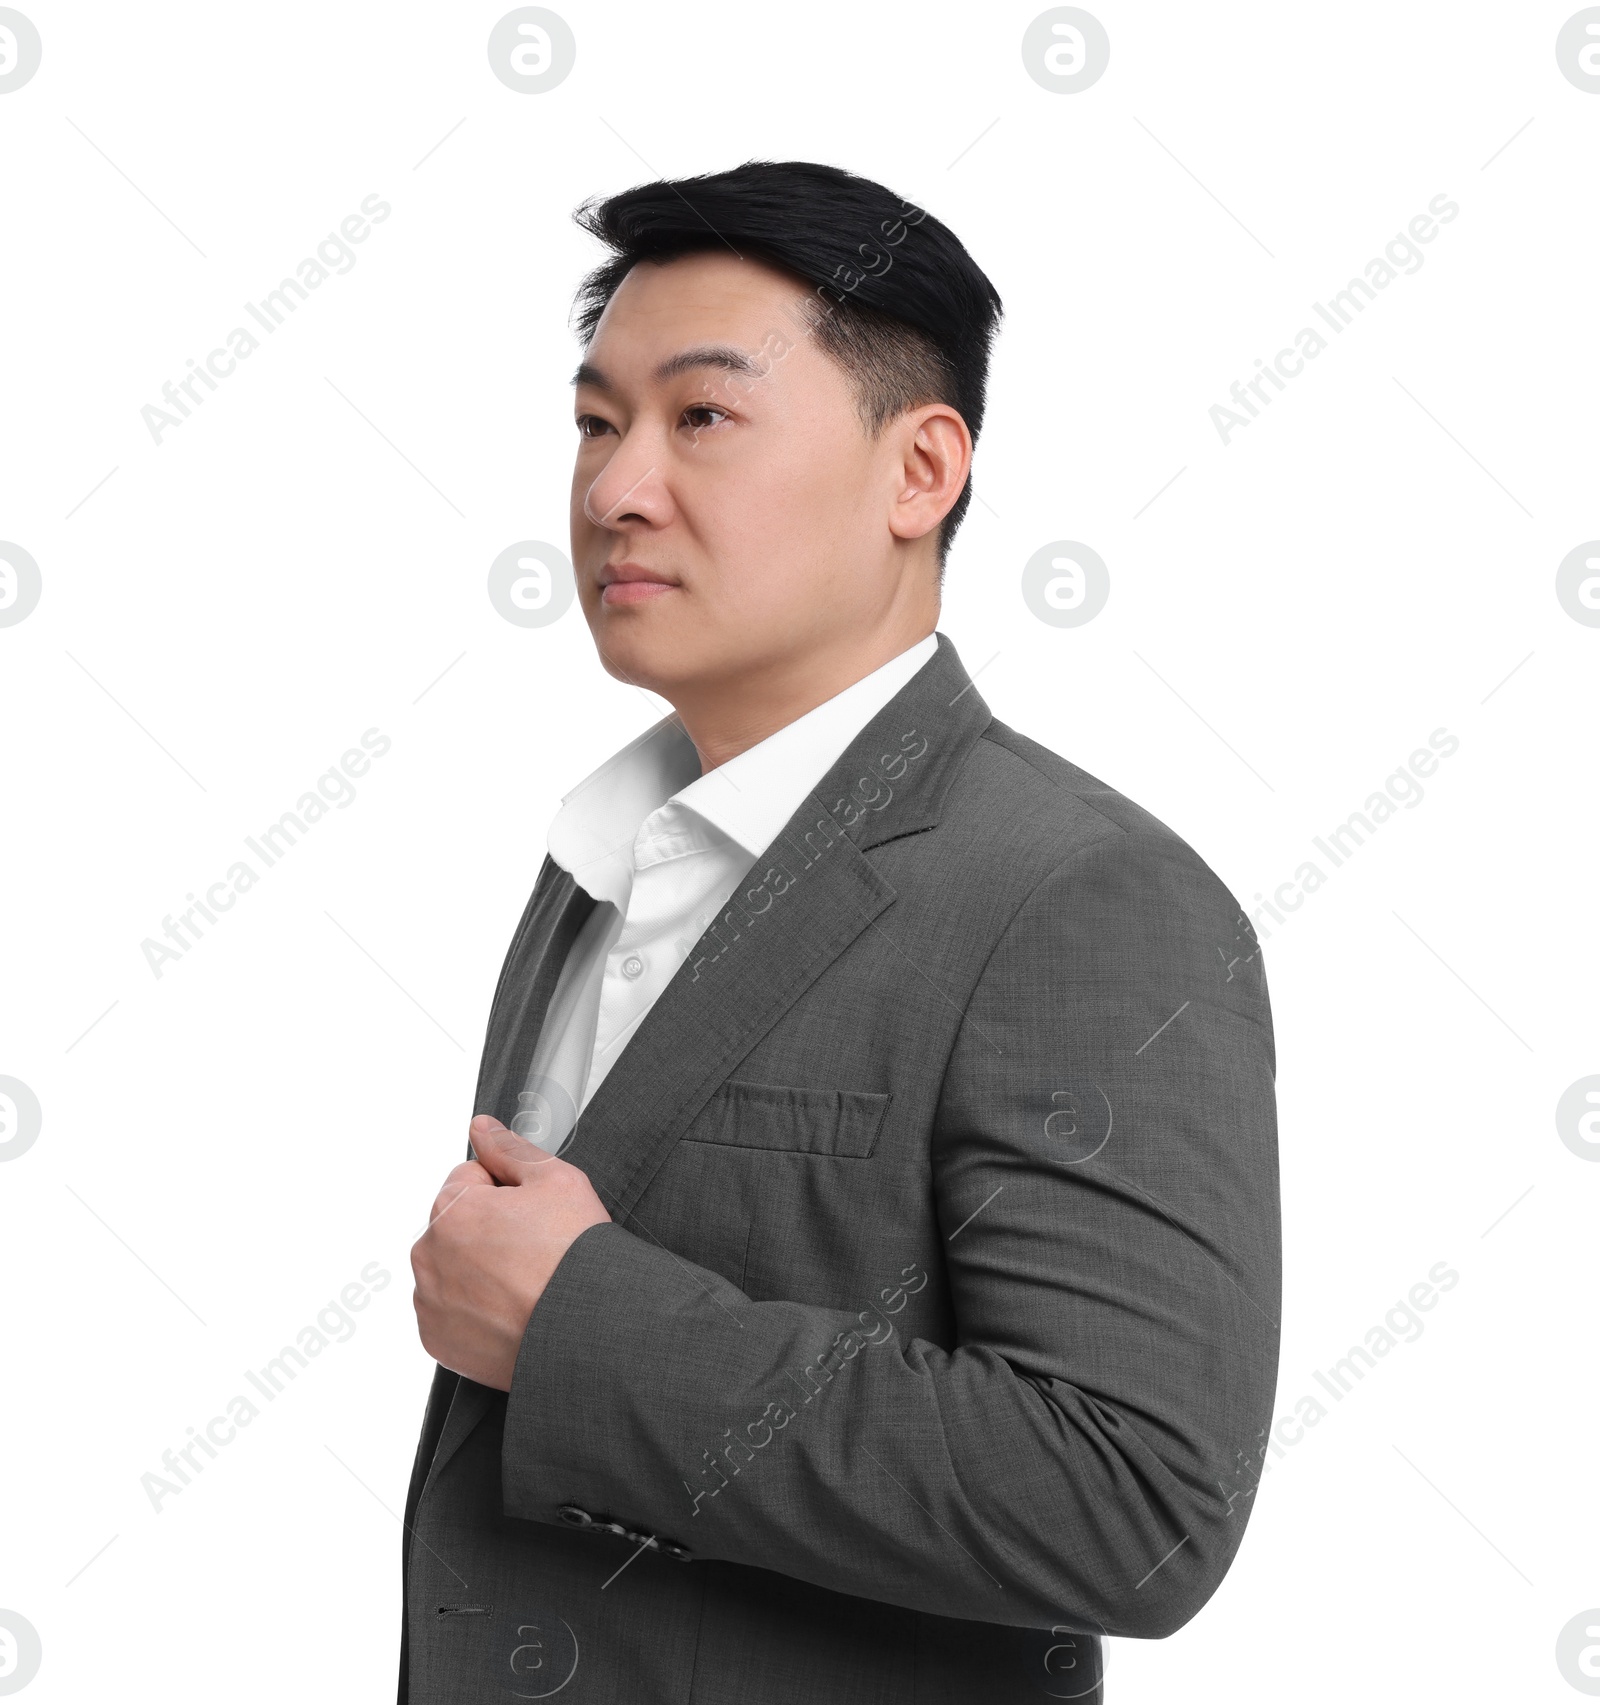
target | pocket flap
[{"x": 797, "y": 1121}]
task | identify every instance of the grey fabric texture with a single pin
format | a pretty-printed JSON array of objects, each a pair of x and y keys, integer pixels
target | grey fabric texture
[{"x": 935, "y": 1333}]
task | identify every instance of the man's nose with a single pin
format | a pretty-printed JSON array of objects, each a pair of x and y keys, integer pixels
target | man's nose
[{"x": 628, "y": 488}]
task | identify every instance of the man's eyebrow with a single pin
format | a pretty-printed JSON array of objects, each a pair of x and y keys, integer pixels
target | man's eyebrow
[{"x": 721, "y": 355}]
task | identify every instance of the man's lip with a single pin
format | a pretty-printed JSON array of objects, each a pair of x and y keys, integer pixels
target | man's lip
[
  {"x": 634, "y": 591},
  {"x": 632, "y": 583},
  {"x": 613, "y": 572}
]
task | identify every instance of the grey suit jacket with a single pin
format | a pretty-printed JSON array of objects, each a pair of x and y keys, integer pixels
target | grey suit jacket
[{"x": 935, "y": 1333}]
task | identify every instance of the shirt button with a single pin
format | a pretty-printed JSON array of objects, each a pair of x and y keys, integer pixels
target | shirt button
[{"x": 632, "y": 967}]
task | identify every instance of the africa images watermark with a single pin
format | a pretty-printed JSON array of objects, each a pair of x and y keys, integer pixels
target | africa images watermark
[
  {"x": 333, "y": 1325},
  {"x": 810, "y": 313},
  {"x": 273, "y": 843},
  {"x": 872, "y": 792},
  {"x": 1403, "y": 788},
  {"x": 1401, "y": 254},
  {"x": 819, "y": 1371},
  {"x": 333, "y": 255},
  {"x": 1400, "y": 1325}
]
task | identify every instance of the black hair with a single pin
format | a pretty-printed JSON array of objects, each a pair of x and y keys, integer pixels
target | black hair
[{"x": 899, "y": 304}]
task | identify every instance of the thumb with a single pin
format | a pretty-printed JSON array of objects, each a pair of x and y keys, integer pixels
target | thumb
[{"x": 507, "y": 1157}]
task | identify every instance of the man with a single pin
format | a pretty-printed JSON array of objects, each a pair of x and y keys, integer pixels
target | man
[{"x": 880, "y": 1300}]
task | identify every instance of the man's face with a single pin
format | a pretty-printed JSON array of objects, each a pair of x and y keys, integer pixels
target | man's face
[{"x": 755, "y": 497}]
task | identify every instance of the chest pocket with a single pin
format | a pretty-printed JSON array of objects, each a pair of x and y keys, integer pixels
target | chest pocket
[{"x": 794, "y": 1121}]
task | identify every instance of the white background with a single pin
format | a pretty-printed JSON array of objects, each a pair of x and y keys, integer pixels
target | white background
[{"x": 226, "y": 1146}]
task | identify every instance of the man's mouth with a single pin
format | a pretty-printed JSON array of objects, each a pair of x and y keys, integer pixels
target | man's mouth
[
  {"x": 632, "y": 583},
  {"x": 634, "y": 591}
]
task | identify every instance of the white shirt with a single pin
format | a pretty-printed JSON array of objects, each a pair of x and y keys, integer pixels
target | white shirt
[{"x": 662, "y": 849}]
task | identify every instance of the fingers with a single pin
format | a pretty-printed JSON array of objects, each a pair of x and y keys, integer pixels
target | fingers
[
  {"x": 467, "y": 1176},
  {"x": 468, "y": 1172},
  {"x": 505, "y": 1155}
]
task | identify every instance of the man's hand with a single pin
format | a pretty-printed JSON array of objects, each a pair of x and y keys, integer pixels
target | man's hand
[{"x": 498, "y": 1230}]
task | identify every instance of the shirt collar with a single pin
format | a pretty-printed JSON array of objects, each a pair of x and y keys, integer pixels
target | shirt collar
[
  {"x": 752, "y": 796},
  {"x": 748, "y": 799}
]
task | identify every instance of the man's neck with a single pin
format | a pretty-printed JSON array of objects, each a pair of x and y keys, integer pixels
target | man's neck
[{"x": 732, "y": 716}]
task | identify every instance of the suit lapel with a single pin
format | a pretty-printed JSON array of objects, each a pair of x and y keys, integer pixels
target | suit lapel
[
  {"x": 556, "y": 911},
  {"x": 808, "y": 896}
]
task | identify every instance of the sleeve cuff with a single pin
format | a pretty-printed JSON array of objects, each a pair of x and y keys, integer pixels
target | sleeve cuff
[{"x": 593, "y": 1376}]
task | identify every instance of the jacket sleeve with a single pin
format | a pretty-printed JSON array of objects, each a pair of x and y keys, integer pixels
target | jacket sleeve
[{"x": 1104, "y": 1162}]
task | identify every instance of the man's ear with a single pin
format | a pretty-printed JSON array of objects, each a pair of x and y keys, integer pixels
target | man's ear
[{"x": 936, "y": 457}]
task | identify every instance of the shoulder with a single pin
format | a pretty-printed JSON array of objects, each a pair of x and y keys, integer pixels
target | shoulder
[
  {"x": 1019, "y": 805},
  {"x": 1028, "y": 838},
  {"x": 1051, "y": 789},
  {"x": 1075, "y": 875}
]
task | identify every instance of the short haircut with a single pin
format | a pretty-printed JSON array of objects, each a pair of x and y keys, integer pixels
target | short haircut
[{"x": 899, "y": 304}]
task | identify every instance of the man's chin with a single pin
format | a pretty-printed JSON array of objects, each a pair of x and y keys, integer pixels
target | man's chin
[{"x": 632, "y": 653}]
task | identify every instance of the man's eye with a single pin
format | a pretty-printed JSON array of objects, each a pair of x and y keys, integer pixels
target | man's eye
[
  {"x": 701, "y": 409},
  {"x": 586, "y": 422}
]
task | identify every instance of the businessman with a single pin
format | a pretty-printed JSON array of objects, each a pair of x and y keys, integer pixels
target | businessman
[{"x": 863, "y": 1285}]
